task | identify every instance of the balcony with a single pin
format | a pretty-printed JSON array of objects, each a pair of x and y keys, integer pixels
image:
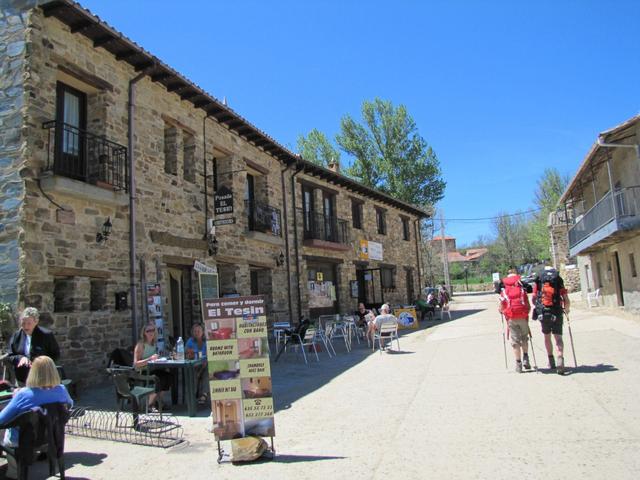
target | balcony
[
  {"x": 86, "y": 157},
  {"x": 263, "y": 218},
  {"x": 319, "y": 228},
  {"x": 611, "y": 219}
]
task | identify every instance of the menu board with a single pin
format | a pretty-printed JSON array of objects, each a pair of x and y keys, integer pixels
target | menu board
[
  {"x": 239, "y": 368},
  {"x": 154, "y": 309}
]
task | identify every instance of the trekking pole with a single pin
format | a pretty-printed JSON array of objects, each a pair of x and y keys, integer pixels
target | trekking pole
[
  {"x": 533, "y": 351},
  {"x": 504, "y": 343},
  {"x": 573, "y": 348}
]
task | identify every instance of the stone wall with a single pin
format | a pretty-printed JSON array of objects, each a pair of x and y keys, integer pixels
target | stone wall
[
  {"x": 559, "y": 236},
  {"x": 13, "y": 22}
]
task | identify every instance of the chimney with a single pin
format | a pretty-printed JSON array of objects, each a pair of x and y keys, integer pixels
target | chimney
[{"x": 334, "y": 166}]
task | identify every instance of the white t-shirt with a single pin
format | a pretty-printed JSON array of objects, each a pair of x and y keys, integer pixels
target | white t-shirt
[{"x": 385, "y": 318}]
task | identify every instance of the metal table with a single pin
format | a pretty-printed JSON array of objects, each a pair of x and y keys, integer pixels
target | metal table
[{"x": 188, "y": 368}]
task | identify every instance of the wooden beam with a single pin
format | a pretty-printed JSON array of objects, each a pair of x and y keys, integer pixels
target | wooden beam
[
  {"x": 201, "y": 103},
  {"x": 50, "y": 9},
  {"x": 172, "y": 87},
  {"x": 81, "y": 26},
  {"x": 161, "y": 76},
  {"x": 188, "y": 95},
  {"x": 143, "y": 66},
  {"x": 78, "y": 272},
  {"x": 126, "y": 54},
  {"x": 223, "y": 117},
  {"x": 101, "y": 41}
]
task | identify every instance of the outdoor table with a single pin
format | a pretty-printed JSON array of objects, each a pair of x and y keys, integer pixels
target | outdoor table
[
  {"x": 278, "y": 329},
  {"x": 188, "y": 368}
]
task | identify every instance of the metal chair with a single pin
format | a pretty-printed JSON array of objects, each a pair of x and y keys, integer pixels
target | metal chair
[
  {"x": 134, "y": 388},
  {"x": 593, "y": 298},
  {"x": 308, "y": 340},
  {"x": 323, "y": 332},
  {"x": 334, "y": 328},
  {"x": 388, "y": 331}
]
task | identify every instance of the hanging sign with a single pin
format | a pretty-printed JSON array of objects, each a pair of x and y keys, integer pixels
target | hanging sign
[
  {"x": 154, "y": 309},
  {"x": 202, "y": 268},
  {"x": 223, "y": 201},
  {"x": 224, "y": 221},
  {"x": 239, "y": 368}
]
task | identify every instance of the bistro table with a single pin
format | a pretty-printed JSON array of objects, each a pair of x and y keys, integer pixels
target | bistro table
[{"x": 188, "y": 368}]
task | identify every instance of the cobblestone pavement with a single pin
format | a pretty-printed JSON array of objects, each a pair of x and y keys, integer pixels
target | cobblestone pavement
[{"x": 444, "y": 407}]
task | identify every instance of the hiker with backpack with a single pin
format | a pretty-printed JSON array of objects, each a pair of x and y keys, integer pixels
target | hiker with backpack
[
  {"x": 514, "y": 305},
  {"x": 551, "y": 300}
]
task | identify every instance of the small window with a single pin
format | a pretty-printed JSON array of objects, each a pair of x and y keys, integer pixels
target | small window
[
  {"x": 356, "y": 213},
  {"x": 170, "y": 149},
  {"x": 632, "y": 263},
  {"x": 98, "y": 299},
  {"x": 387, "y": 277},
  {"x": 406, "y": 233},
  {"x": 189, "y": 157},
  {"x": 63, "y": 299},
  {"x": 380, "y": 221}
]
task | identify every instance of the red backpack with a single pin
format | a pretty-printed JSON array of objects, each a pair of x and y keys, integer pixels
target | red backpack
[{"x": 514, "y": 298}]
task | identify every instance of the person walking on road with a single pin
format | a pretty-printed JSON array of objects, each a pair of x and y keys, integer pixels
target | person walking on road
[
  {"x": 514, "y": 305},
  {"x": 551, "y": 300}
]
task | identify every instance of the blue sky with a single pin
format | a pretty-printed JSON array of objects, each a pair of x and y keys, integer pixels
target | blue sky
[{"x": 500, "y": 89}]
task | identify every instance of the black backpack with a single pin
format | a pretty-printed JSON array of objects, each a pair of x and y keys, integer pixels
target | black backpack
[{"x": 548, "y": 297}]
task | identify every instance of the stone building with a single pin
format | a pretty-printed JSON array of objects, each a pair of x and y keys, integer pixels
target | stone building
[
  {"x": 602, "y": 205},
  {"x": 109, "y": 161}
]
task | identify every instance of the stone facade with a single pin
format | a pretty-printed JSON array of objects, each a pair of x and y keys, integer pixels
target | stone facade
[
  {"x": 560, "y": 252},
  {"x": 49, "y": 241}
]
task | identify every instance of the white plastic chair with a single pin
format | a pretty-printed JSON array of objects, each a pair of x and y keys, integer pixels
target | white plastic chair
[
  {"x": 308, "y": 340},
  {"x": 388, "y": 331},
  {"x": 593, "y": 297}
]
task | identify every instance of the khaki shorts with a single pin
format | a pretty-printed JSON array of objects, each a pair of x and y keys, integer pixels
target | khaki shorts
[{"x": 518, "y": 332}]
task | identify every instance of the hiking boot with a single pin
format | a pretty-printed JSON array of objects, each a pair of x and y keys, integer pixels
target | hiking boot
[
  {"x": 518, "y": 366},
  {"x": 552, "y": 362},
  {"x": 525, "y": 362},
  {"x": 560, "y": 369}
]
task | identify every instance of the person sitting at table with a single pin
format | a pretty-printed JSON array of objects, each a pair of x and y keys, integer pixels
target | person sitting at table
[
  {"x": 361, "y": 313},
  {"x": 29, "y": 343},
  {"x": 383, "y": 318},
  {"x": 43, "y": 386},
  {"x": 197, "y": 348},
  {"x": 144, "y": 353}
]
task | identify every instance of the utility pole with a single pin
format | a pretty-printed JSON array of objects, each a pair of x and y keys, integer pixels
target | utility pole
[{"x": 445, "y": 257}]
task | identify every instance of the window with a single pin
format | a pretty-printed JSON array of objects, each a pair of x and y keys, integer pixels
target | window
[
  {"x": 250, "y": 200},
  {"x": 632, "y": 262},
  {"x": 356, "y": 213},
  {"x": 189, "y": 157},
  {"x": 170, "y": 149},
  {"x": 255, "y": 283},
  {"x": 406, "y": 232},
  {"x": 380, "y": 221},
  {"x": 387, "y": 277},
  {"x": 63, "y": 299},
  {"x": 98, "y": 299},
  {"x": 307, "y": 207}
]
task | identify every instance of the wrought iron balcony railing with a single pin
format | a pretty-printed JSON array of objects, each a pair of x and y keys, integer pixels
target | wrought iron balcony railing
[
  {"x": 624, "y": 203},
  {"x": 263, "y": 218},
  {"x": 322, "y": 227},
  {"x": 78, "y": 154}
]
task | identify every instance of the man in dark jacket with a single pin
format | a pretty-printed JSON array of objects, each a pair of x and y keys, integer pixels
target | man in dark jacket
[{"x": 30, "y": 342}]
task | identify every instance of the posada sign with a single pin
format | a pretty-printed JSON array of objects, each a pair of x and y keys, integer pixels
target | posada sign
[{"x": 239, "y": 368}]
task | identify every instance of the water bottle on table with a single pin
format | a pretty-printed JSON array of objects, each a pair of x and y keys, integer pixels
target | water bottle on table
[{"x": 180, "y": 349}]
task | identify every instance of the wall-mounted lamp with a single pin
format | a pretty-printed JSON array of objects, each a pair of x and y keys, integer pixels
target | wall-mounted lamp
[
  {"x": 280, "y": 260},
  {"x": 212, "y": 243},
  {"x": 103, "y": 236}
]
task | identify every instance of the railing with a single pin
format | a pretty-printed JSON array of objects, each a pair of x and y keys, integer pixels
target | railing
[
  {"x": 263, "y": 218},
  {"x": 81, "y": 155},
  {"x": 321, "y": 227},
  {"x": 627, "y": 204}
]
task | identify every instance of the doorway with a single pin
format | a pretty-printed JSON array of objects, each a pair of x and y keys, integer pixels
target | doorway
[
  {"x": 180, "y": 298},
  {"x": 617, "y": 276},
  {"x": 370, "y": 287}
]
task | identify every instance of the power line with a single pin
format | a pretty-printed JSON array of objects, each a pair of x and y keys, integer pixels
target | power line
[{"x": 492, "y": 218}]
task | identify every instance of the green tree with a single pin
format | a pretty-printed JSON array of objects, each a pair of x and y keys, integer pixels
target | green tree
[
  {"x": 550, "y": 187},
  {"x": 390, "y": 155},
  {"x": 317, "y": 148}
]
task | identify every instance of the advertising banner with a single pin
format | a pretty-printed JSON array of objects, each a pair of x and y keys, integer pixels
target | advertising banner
[
  {"x": 154, "y": 310},
  {"x": 239, "y": 368},
  {"x": 407, "y": 317}
]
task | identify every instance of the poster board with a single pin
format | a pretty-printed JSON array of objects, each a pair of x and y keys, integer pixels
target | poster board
[
  {"x": 407, "y": 318},
  {"x": 239, "y": 367},
  {"x": 154, "y": 310}
]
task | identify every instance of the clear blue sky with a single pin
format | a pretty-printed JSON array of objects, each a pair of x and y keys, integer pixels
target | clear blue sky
[{"x": 500, "y": 89}]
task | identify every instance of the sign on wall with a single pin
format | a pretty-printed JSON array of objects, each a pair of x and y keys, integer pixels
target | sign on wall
[
  {"x": 370, "y": 250},
  {"x": 154, "y": 309},
  {"x": 239, "y": 368}
]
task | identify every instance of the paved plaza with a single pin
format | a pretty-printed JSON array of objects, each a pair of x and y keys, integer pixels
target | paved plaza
[{"x": 443, "y": 407}]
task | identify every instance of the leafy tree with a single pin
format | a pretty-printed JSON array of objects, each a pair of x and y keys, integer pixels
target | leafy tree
[
  {"x": 317, "y": 148},
  {"x": 390, "y": 155},
  {"x": 550, "y": 187}
]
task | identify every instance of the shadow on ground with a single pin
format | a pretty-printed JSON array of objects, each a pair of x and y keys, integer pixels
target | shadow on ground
[
  {"x": 40, "y": 469},
  {"x": 600, "y": 368},
  {"x": 285, "y": 458}
]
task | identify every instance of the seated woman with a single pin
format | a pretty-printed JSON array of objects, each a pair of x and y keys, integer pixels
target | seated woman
[
  {"x": 361, "y": 315},
  {"x": 43, "y": 386},
  {"x": 197, "y": 348},
  {"x": 144, "y": 353}
]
